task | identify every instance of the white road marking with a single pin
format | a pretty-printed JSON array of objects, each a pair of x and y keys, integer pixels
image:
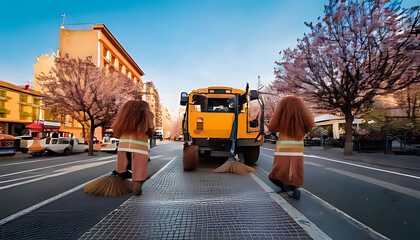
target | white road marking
[
  {"x": 17, "y": 179},
  {"x": 391, "y": 186},
  {"x": 154, "y": 157},
  {"x": 32, "y": 161},
  {"x": 62, "y": 172},
  {"x": 163, "y": 168},
  {"x": 355, "y": 165},
  {"x": 45, "y": 202},
  {"x": 267, "y": 148},
  {"x": 312, "y": 163},
  {"x": 305, "y": 162},
  {"x": 310, "y": 228},
  {"x": 353, "y": 221},
  {"x": 262, "y": 169},
  {"x": 82, "y": 166},
  {"x": 270, "y": 156},
  {"x": 57, "y": 165}
]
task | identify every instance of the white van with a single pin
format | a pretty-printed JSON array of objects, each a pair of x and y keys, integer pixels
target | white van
[
  {"x": 110, "y": 146},
  {"x": 62, "y": 145}
]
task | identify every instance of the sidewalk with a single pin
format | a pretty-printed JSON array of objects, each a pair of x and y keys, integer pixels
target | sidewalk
[
  {"x": 407, "y": 162},
  {"x": 198, "y": 205}
]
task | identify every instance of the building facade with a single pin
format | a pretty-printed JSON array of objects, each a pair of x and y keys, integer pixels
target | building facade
[
  {"x": 105, "y": 52},
  {"x": 166, "y": 121},
  {"x": 151, "y": 96},
  {"x": 19, "y": 106}
]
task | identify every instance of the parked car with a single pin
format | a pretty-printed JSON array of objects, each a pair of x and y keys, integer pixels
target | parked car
[
  {"x": 158, "y": 135},
  {"x": 7, "y": 144},
  {"x": 111, "y": 146},
  {"x": 23, "y": 142},
  {"x": 179, "y": 138},
  {"x": 62, "y": 145}
]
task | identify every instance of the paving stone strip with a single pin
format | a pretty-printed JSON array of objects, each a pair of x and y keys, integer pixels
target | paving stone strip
[{"x": 198, "y": 205}]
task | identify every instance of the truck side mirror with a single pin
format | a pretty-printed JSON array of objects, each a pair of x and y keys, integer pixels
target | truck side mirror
[
  {"x": 184, "y": 99},
  {"x": 253, "y": 95},
  {"x": 231, "y": 102}
]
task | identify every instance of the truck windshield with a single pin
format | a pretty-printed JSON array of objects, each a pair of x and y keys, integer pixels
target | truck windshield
[{"x": 218, "y": 105}]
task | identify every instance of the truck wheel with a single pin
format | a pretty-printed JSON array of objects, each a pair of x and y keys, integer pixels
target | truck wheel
[
  {"x": 251, "y": 154},
  {"x": 24, "y": 150},
  {"x": 190, "y": 157},
  {"x": 66, "y": 152}
]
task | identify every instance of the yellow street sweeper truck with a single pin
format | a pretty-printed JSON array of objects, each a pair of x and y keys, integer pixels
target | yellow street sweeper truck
[{"x": 222, "y": 122}]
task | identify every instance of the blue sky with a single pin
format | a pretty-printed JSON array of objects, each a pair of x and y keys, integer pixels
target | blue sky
[{"x": 180, "y": 45}]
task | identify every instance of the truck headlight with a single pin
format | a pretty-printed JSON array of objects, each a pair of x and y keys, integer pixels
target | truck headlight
[{"x": 200, "y": 123}]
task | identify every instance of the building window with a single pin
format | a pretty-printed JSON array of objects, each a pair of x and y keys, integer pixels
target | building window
[
  {"x": 123, "y": 70},
  {"x": 108, "y": 55},
  {"x": 23, "y": 98},
  {"x": 129, "y": 75},
  {"x": 25, "y": 108},
  {"x": 3, "y": 100},
  {"x": 35, "y": 107},
  {"x": 3, "y": 109}
]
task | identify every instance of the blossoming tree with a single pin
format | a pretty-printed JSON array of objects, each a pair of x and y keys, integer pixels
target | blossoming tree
[
  {"x": 360, "y": 49},
  {"x": 76, "y": 87}
]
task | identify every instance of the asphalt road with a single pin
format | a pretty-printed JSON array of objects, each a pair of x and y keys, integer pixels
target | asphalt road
[
  {"x": 386, "y": 200},
  {"x": 26, "y": 181},
  {"x": 345, "y": 201}
]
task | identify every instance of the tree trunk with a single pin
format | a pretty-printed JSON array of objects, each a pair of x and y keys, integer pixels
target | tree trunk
[
  {"x": 83, "y": 131},
  {"x": 348, "y": 146},
  {"x": 92, "y": 131}
]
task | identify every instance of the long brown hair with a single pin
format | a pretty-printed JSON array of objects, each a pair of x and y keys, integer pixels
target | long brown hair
[
  {"x": 132, "y": 118},
  {"x": 292, "y": 118}
]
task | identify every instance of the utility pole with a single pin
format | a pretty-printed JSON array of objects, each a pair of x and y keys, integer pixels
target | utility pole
[
  {"x": 64, "y": 17},
  {"x": 259, "y": 87}
]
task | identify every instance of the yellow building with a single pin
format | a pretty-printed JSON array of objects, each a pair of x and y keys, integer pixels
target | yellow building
[
  {"x": 176, "y": 123},
  {"x": 105, "y": 50},
  {"x": 151, "y": 96},
  {"x": 103, "y": 47},
  {"x": 166, "y": 122},
  {"x": 18, "y": 108}
]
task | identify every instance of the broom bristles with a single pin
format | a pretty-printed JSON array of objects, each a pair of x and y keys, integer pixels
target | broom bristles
[
  {"x": 233, "y": 166},
  {"x": 190, "y": 157},
  {"x": 109, "y": 186}
]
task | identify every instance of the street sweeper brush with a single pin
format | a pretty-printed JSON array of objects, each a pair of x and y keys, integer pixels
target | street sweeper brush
[
  {"x": 233, "y": 165},
  {"x": 109, "y": 186}
]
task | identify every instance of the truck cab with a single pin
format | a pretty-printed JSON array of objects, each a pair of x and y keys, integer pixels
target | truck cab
[{"x": 209, "y": 121}]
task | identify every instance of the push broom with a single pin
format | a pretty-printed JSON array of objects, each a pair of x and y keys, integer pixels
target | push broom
[
  {"x": 116, "y": 184},
  {"x": 233, "y": 164}
]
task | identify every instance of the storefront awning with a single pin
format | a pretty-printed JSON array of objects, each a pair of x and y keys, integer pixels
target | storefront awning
[
  {"x": 34, "y": 126},
  {"x": 39, "y": 126}
]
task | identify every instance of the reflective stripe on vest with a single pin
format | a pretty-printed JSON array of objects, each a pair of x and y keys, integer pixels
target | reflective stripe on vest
[
  {"x": 130, "y": 145},
  {"x": 289, "y": 148}
]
